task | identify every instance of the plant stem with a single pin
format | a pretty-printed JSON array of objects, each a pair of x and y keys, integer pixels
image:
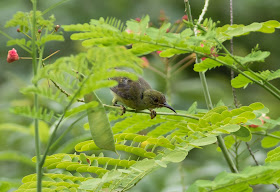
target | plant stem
[
  {"x": 235, "y": 101},
  {"x": 168, "y": 83},
  {"x": 36, "y": 126},
  {"x": 207, "y": 94},
  {"x": 226, "y": 154},
  {"x": 267, "y": 134}
]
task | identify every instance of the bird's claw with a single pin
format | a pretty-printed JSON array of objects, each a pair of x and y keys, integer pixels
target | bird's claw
[
  {"x": 123, "y": 110},
  {"x": 153, "y": 113}
]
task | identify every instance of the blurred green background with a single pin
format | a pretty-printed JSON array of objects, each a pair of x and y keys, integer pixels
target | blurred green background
[{"x": 186, "y": 87}]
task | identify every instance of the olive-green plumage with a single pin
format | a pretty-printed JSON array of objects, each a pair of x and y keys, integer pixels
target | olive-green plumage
[{"x": 138, "y": 94}]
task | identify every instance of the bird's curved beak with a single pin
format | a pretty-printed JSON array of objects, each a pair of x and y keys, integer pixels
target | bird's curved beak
[{"x": 169, "y": 107}]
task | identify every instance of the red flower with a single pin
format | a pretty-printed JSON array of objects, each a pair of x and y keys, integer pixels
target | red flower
[
  {"x": 185, "y": 17},
  {"x": 158, "y": 52},
  {"x": 12, "y": 56},
  {"x": 137, "y": 19},
  {"x": 145, "y": 62},
  {"x": 263, "y": 121}
]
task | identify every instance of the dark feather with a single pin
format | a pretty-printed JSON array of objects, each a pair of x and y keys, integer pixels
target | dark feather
[{"x": 128, "y": 89}]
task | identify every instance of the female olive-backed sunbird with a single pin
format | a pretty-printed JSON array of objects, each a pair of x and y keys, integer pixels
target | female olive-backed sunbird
[{"x": 138, "y": 95}]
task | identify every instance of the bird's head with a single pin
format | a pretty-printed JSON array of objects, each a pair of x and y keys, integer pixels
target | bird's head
[{"x": 155, "y": 99}]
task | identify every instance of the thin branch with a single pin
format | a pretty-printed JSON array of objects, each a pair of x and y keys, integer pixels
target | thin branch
[
  {"x": 267, "y": 134},
  {"x": 255, "y": 160},
  {"x": 20, "y": 45},
  {"x": 203, "y": 11},
  {"x": 148, "y": 112},
  {"x": 252, "y": 154},
  {"x": 235, "y": 101},
  {"x": 189, "y": 57},
  {"x": 157, "y": 71},
  {"x": 54, "y": 6},
  {"x": 185, "y": 66}
]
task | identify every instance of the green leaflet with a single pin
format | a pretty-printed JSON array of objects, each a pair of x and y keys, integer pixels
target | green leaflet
[
  {"x": 14, "y": 127},
  {"x": 210, "y": 63},
  {"x": 5, "y": 186},
  {"x": 255, "y": 56},
  {"x": 242, "y": 81},
  {"x": 51, "y": 37},
  {"x": 42, "y": 113},
  {"x": 274, "y": 75},
  {"x": 87, "y": 106},
  {"x": 204, "y": 141},
  {"x": 273, "y": 155},
  {"x": 244, "y": 134},
  {"x": 268, "y": 141},
  {"x": 266, "y": 174},
  {"x": 99, "y": 124},
  {"x": 16, "y": 157},
  {"x": 228, "y": 31}
]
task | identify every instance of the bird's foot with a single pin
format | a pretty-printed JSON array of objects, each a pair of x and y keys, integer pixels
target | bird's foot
[
  {"x": 121, "y": 106},
  {"x": 153, "y": 113},
  {"x": 123, "y": 110}
]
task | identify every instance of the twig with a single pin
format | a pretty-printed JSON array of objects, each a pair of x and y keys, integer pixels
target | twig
[
  {"x": 203, "y": 11},
  {"x": 251, "y": 153},
  {"x": 189, "y": 57},
  {"x": 148, "y": 112},
  {"x": 267, "y": 134},
  {"x": 235, "y": 101},
  {"x": 157, "y": 71},
  {"x": 184, "y": 66}
]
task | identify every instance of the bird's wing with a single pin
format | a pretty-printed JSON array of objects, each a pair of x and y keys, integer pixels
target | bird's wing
[{"x": 129, "y": 89}]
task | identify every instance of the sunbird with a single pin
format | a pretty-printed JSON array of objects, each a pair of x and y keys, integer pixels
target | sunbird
[{"x": 138, "y": 95}]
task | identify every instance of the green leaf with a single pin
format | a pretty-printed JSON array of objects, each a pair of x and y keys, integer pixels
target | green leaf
[
  {"x": 4, "y": 186},
  {"x": 171, "y": 52},
  {"x": 268, "y": 141},
  {"x": 44, "y": 132},
  {"x": 51, "y": 37},
  {"x": 42, "y": 113},
  {"x": 204, "y": 141},
  {"x": 273, "y": 155},
  {"x": 175, "y": 156},
  {"x": 192, "y": 109},
  {"x": 99, "y": 124},
  {"x": 274, "y": 75},
  {"x": 16, "y": 156},
  {"x": 81, "y": 108},
  {"x": 243, "y": 134},
  {"x": 210, "y": 63},
  {"x": 240, "y": 182},
  {"x": 231, "y": 127},
  {"x": 90, "y": 184},
  {"x": 14, "y": 127},
  {"x": 257, "y": 56},
  {"x": 241, "y": 80},
  {"x": 256, "y": 106}
]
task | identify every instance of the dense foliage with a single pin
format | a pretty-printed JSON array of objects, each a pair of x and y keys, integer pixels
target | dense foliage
[{"x": 139, "y": 145}]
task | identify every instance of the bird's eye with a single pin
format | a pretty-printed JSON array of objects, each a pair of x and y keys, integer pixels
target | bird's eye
[{"x": 156, "y": 100}]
